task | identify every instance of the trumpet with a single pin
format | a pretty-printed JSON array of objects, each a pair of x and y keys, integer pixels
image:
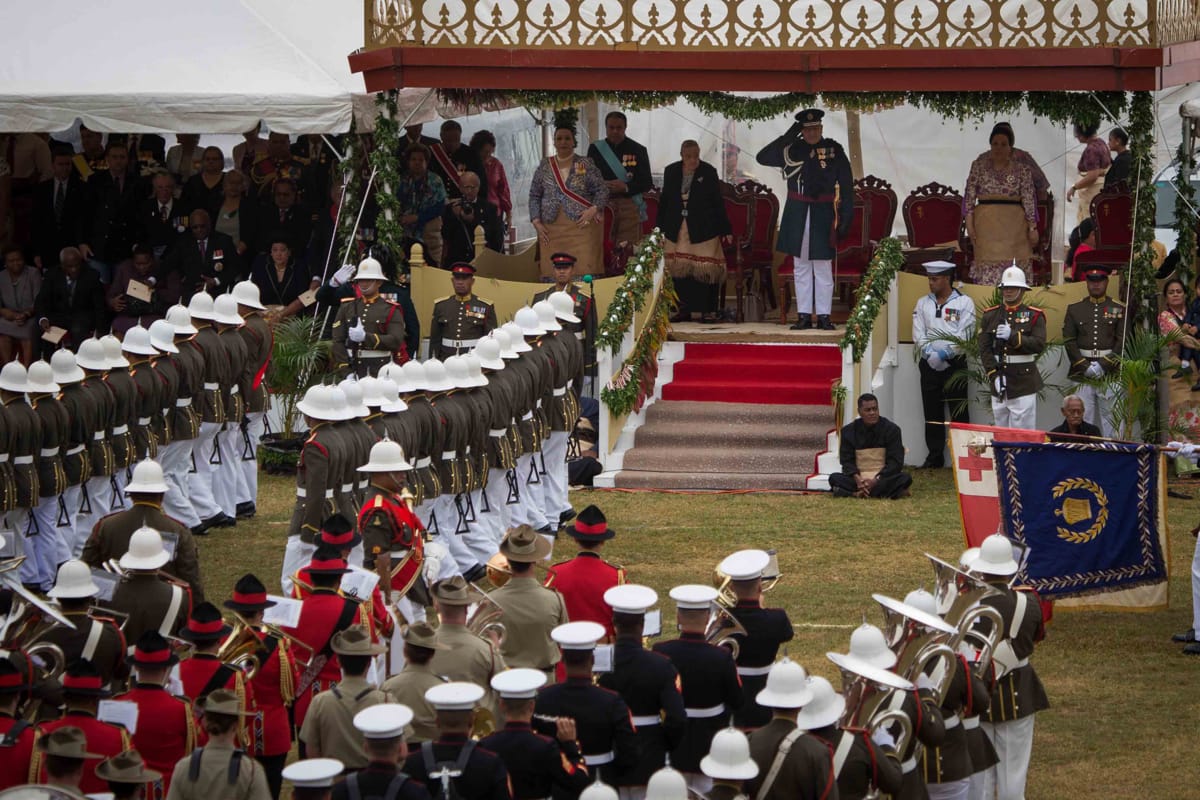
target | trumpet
[
  {"x": 959, "y": 593},
  {"x": 722, "y": 628},
  {"x": 866, "y": 690},
  {"x": 919, "y": 640},
  {"x": 770, "y": 579}
]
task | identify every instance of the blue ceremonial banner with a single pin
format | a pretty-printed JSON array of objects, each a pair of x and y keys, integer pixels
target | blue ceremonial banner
[{"x": 1091, "y": 515}]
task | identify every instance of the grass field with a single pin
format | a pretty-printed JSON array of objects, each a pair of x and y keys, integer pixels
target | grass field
[{"x": 1124, "y": 704}]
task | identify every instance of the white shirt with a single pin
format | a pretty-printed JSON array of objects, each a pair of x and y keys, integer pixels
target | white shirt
[{"x": 933, "y": 323}]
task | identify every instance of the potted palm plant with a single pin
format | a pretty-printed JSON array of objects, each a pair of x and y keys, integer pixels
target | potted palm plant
[{"x": 298, "y": 359}]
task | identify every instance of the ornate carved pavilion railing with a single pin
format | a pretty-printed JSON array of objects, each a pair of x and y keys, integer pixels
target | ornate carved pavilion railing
[{"x": 722, "y": 25}]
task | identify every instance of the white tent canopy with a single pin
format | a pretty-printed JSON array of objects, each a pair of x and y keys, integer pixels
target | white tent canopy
[{"x": 214, "y": 67}]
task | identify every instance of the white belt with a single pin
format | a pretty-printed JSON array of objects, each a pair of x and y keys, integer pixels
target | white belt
[
  {"x": 599, "y": 758},
  {"x": 705, "y": 713},
  {"x": 23, "y": 460},
  {"x": 120, "y": 430},
  {"x": 951, "y": 721},
  {"x": 363, "y": 483},
  {"x": 166, "y": 411},
  {"x": 539, "y": 402},
  {"x": 579, "y": 334},
  {"x": 301, "y": 492},
  {"x": 448, "y": 455},
  {"x": 374, "y": 353},
  {"x": 459, "y": 342},
  {"x": 571, "y": 383},
  {"x": 527, "y": 416},
  {"x": 3, "y": 458},
  {"x": 970, "y": 723},
  {"x": 329, "y": 494},
  {"x": 346, "y": 487},
  {"x": 1024, "y": 662},
  {"x": 143, "y": 421},
  {"x": 559, "y": 392},
  {"x": 49, "y": 452},
  {"x": 422, "y": 463},
  {"x": 233, "y": 389},
  {"x": 98, "y": 436},
  {"x": 183, "y": 402},
  {"x": 496, "y": 432},
  {"x": 754, "y": 671},
  {"x": 1095, "y": 353},
  {"x": 646, "y": 722},
  {"x": 908, "y": 766},
  {"x": 211, "y": 387},
  {"x": 1020, "y": 359}
]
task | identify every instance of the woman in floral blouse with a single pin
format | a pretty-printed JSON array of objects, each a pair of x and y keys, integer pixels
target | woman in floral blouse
[
  {"x": 566, "y": 207},
  {"x": 422, "y": 197},
  {"x": 1093, "y": 164}
]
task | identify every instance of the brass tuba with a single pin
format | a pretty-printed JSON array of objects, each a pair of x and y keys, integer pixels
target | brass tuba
[
  {"x": 958, "y": 595},
  {"x": 919, "y": 640},
  {"x": 770, "y": 579},
  {"x": 484, "y": 620},
  {"x": 241, "y": 647},
  {"x": 865, "y": 689},
  {"x": 722, "y": 628}
]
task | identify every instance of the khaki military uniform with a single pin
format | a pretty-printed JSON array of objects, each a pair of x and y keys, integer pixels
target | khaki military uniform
[
  {"x": 211, "y": 399},
  {"x": 531, "y": 611},
  {"x": 53, "y": 532},
  {"x": 469, "y": 658},
  {"x": 320, "y": 467},
  {"x": 168, "y": 375},
  {"x": 1016, "y": 358},
  {"x": 807, "y": 772},
  {"x": 77, "y": 463},
  {"x": 125, "y": 394},
  {"x": 212, "y": 780},
  {"x": 583, "y": 331},
  {"x": 384, "y": 323},
  {"x": 329, "y": 724},
  {"x": 428, "y": 446},
  {"x": 1094, "y": 332},
  {"x": 110, "y": 539},
  {"x": 152, "y": 604},
  {"x": 458, "y": 324},
  {"x": 409, "y": 688},
  {"x": 147, "y": 415}
]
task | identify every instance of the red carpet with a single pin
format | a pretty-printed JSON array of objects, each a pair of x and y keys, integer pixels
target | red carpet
[{"x": 756, "y": 373}]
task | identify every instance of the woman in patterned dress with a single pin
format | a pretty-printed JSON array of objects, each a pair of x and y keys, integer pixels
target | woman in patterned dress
[{"x": 1001, "y": 211}]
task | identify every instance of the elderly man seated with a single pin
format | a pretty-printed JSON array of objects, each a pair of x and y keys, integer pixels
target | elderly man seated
[
  {"x": 872, "y": 456},
  {"x": 1074, "y": 427}
]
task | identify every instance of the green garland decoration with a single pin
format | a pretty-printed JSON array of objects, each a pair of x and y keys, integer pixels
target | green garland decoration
[
  {"x": 1059, "y": 107},
  {"x": 1143, "y": 285},
  {"x": 388, "y": 230},
  {"x": 871, "y": 296},
  {"x": 627, "y": 391},
  {"x": 352, "y": 199},
  {"x": 1185, "y": 215},
  {"x": 631, "y": 294}
]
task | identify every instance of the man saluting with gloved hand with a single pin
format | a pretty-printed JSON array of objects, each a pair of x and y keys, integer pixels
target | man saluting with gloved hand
[
  {"x": 369, "y": 329},
  {"x": 1011, "y": 337}
]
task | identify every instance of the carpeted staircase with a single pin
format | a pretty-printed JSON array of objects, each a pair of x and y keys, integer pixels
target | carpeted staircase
[{"x": 736, "y": 416}]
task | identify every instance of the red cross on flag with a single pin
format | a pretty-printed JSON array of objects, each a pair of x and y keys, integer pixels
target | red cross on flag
[{"x": 975, "y": 475}]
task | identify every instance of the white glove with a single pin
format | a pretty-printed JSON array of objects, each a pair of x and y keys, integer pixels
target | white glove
[
  {"x": 1003, "y": 331},
  {"x": 998, "y": 385},
  {"x": 923, "y": 681},
  {"x": 342, "y": 275},
  {"x": 882, "y": 738},
  {"x": 935, "y": 362},
  {"x": 1094, "y": 370},
  {"x": 358, "y": 333},
  {"x": 1188, "y": 451}
]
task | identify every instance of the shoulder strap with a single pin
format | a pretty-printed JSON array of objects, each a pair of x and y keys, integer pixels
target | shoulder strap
[
  {"x": 219, "y": 678},
  {"x": 428, "y": 759},
  {"x": 93, "y": 640},
  {"x": 343, "y": 621},
  {"x": 168, "y": 621},
  {"x": 394, "y": 786},
  {"x": 785, "y": 747},
  {"x": 194, "y": 764},
  {"x": 235, "y": 766},
  {"x": 844, "y": 746},
  {"x": 352, "y": 787},
  {"x": 610, "y": 158},
  {"x": 464, "y": 755},
  {"x": 14, "y": 733}
]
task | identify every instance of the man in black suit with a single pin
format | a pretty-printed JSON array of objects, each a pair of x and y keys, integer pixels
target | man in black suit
[
  {"x": 462, "y": 216},
  {"x": 450, "y": 158},
  {"x": 1074, "y": 427},
  {"x": 208, "y": 260},
  {"x": 287, "y": 215},
  {"x": 115, "y": 198},
  {"x": 60, "y": 211},
  {"x": 161, "y": 218},
  {"x": 71, "y": 298}
]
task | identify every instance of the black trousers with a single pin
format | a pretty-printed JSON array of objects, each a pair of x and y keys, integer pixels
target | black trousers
[
  {"x": 935, "y": 396},
  {"x": 273, "y": 769},
  {"x": 887, "y": 486},
  {"x": 697, "y": 297}
]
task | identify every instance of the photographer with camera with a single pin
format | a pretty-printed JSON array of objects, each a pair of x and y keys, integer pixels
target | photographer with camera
[{"x": 462, "y": 216}]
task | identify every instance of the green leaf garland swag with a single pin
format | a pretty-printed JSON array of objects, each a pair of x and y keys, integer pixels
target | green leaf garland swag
[
  {"x": 871, "y": 296},
  {"x": 1143, "y": 287},
  {"x": 1185, "y": 217},
  {"x": 385, "y": 161},
  {"x": 628, "y": 389},
  {"x": 631, "y": 294},
  {"x": 344, "y": 250}
]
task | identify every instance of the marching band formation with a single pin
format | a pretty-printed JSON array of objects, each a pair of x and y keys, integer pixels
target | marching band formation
[{"x": 422, "y": 646}]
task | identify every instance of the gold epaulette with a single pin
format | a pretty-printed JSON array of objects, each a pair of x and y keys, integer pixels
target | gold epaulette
[
  {"x": 1036, "y": 308},
  {"x": 990, "y": 308},
  {"x": 442, "y": 299},
  {"x": 348, "y": 299},
  {"x": 484, "y": 300}
]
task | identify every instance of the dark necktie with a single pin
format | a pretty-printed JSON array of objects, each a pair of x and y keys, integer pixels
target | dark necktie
[
  {"x": 282, "y": 215},
  {"x": 120, "y": 185},
  {"x": 60, "y": 200},
  {"x": 70, "y": 291},
  {"x": 162, "y": 212},
  {"x": 202, "y": 249}
]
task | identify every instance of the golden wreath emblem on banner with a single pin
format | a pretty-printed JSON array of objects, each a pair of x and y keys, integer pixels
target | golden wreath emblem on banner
[{"x": 1075, "y": 509}]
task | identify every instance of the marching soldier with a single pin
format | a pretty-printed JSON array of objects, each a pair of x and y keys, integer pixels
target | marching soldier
[
  {"x": 806, "y": 762},
  {"x": 166, "y": 729},
  {"x": 537, "y": 765},
  {"x": 583, "y": 580},
  {"x": 25, "y": 437},
  {"x": 65, "y": 754},
  {"x": 466, "y": 656},
  {"x": 81, "y": 430},
  {"x": 323, "y": 614},
  {"x": 1011, "y": 337},
  {"x": 274, "y": 682},
  {"x": 368, "y": 331},
  {"x": 409, "y": 686},
  {"x": 83, "y": 689},
  {"x": 938, "y": 317},
  {"x": 649, "y": 684},
  {"x": 861, "y": 763},
  {"x": 46, "y": 548},
  {"x": 126, "y": 775},
  {"x": 361, "y": 438},
  {"x": 219, "y": 769},
  {"x": 766, "y": 630},
  {"x": 110, "y": 537},
  {"x": 95, "y": 638},
  {"x": 461, "y": 319},
  {"x": 1017, "y": 693},
  {"x": 317, "y": 476},
  {"x": 454, "y": 758},
  {"x": 562, "y": 408},
  {"x": 392, "y": 535},
  {"x": 227, "y": 449},
  {"x": 382, "y": 728},
  {"x": 138, "y": 350},
  {"x": 428, "y": 437},
  {"x": 97, "y": 492},
  {"x": 522, "y": 377},
  {"x": 539, "y": 371},
  {"x": 729, "y": 765},
  {"x": 150, "y": 601},
  {"x": 162, "y": 339},
  {"x": 583, "y": 309},
  {"x": 212, "y": 407},
  {"x": 328, "y": 729},
  {"x": 602, "y": 720},
  {"x": 499, "y": 456},
  {"x": 125, "y": 397},
  {"x": 259, "y": 339},
  {"x": 530, "y": 610},
  {"x": 203, "y": 672},
  {"x": 448, "y": 515},
  {"x": 1094, "y": 335},
  {"x": 712, "y": 691},
  {"x": 184, "y": 418}
]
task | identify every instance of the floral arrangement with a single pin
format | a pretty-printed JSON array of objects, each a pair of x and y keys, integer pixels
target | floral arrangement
[
  {"x": 632, "y": 293},
  {"x": 628, "y": 389},
  {"x": 871, "y": 295}
]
